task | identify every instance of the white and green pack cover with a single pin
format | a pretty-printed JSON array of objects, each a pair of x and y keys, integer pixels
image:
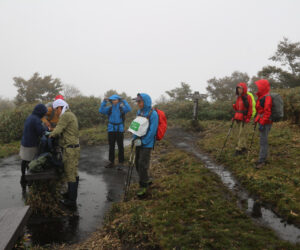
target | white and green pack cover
[{"x": 139, "y": 126}]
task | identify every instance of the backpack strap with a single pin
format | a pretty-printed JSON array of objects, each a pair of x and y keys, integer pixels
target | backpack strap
[
  {"x": 262, "y": 100},
  {"x": 150, "y": 113}
]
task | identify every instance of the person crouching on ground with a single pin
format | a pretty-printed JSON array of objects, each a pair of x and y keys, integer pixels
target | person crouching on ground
[
  {"x": 116, "y": 117},
  {"x": 264, "y": 111},
  {"x": 33, "y": 130},
  {"x": 145, "y": 144},
  {"x": 243, "y": 108},
  {"x": 67, "y": 132}
]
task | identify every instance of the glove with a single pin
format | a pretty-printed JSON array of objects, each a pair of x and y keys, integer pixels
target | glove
[
  {"x": 261, "y": 127},
  {"x": 47, "y": 133},
  {"x": 138, "y": 142},
  {"x": 234, "y": 106}
]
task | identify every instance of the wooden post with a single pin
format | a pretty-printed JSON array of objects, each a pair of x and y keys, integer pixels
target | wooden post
[{"x": 196, "y": 97}]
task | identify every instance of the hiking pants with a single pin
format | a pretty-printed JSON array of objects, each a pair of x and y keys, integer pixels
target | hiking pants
[
  {"x": 71, "y": 161},
  {"x": 114, "y": 137},
  {"x": 263, "y": 152},
  {"x": 24, "y": 166},
  {"x": 142, "y": 163},
  {"x": 242, "y": 135}
]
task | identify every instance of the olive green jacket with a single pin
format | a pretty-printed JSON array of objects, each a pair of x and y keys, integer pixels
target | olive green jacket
[{"x": 67, "y": 130}]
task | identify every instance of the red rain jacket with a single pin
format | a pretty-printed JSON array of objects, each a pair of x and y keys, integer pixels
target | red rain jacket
[
  {"x": 263, "y": 112},
  {"x": 243, "y": 113}
]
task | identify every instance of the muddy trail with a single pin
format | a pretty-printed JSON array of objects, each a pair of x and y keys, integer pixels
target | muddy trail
[
  {"x": 98, "y": 189},
  {"x": 261, "y": 214}
]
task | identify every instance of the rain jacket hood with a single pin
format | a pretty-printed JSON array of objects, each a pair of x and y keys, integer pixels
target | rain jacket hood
[
  {"x": 40, "y": 110},
  {"x": 114, "y": 97},
  {"x": 243, "y": 86},
  {"x": 147, "y": 103},
  {"x": 263, "y": 87}
]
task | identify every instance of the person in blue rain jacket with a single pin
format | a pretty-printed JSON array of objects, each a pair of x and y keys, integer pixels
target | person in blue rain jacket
[
  {"x": 116, "y": 116},
  {"x": 145, "y": 144}
]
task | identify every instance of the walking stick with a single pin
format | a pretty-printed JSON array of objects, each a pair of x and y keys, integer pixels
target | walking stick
[
  {"x": 130, "y": 170},
  {"x": 252, "y": 139},
  {"x": 229, "y": 131}
]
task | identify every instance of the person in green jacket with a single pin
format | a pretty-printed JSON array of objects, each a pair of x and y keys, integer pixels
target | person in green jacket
[{"x": 67, "y": 132}]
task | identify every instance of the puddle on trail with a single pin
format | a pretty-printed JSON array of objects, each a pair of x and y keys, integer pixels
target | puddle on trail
[
  {"x": 98, "y": 188},
  {"x": 259, "y": 213}
]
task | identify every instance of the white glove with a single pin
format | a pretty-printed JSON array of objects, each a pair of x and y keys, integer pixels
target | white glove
[
  {"x": 138, "y": 142},
  {"x": 47, "y": 133}
]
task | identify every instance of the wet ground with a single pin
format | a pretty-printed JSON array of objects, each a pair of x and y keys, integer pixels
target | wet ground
[
  {"x": 259, "y": 213},
  {"x": 98, "y": 189}
]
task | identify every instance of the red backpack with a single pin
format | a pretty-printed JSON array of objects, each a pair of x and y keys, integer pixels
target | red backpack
[{"x": 162, "y": 123}]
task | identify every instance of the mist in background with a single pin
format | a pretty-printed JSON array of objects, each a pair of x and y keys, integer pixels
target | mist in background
[{"x": 139, "y": 46}]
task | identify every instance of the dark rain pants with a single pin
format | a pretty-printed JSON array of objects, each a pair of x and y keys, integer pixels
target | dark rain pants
[
  {"x": 142, "y": 163},
  {"x": 114, "y": 137}
]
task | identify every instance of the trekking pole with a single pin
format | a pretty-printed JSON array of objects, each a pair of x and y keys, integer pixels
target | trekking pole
[
  {"x": 252, "y": 139},
  {"x": 229, "y": 131},
  {"x": 130, "y": 170}
]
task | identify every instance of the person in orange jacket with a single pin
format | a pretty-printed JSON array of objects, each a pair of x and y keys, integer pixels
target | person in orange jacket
[
  {"x": 264, "y": 111},
  {"x": 243, "y": 108},
  {"x": 51, "y": 118}
]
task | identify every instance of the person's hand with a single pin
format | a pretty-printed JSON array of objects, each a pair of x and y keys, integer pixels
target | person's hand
[
  {"x": 47, "y": 133},
  {"x": 247, "y": 120},
  {"x": 106, "y": 99},
  {"x": 137, "y": 142},
  {"x": 261, "y": 127}
]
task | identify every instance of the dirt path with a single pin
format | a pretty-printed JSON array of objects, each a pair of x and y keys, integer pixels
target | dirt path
[{"x": 260, "y": 214}]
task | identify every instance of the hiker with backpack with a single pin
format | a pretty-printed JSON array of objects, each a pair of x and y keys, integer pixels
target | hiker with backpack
[
  {"x": 269, "y": 108},
  {"x": 243, "y": 114},
  {"x": 116, "y": 117},
  {"x": 144, "y": 140}
]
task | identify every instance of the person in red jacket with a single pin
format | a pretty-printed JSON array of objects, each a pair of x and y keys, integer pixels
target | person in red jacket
[
  {"x": 264, "y": 111},
  {"x": 243, "y": 108}
]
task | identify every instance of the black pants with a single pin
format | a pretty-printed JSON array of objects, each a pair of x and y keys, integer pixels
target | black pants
[
  {"x": 142, "y": 163},
  {"x": 114, "y": 137},
  {"x": 24, "y": 166}
]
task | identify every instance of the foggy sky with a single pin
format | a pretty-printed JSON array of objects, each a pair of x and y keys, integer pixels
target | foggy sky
[{"x": 137, "y": 45}]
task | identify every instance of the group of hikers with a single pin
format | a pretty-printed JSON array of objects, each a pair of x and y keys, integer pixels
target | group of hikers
[
  {"x": 268, "y": 108},
  {"x": 56, "y": 120}
]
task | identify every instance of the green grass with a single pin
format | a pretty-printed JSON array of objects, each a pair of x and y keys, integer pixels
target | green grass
[
  {"x": 278, "y": 183},
  {"x": 187, "y": 208},
  {"x": 9, "y": 149}
]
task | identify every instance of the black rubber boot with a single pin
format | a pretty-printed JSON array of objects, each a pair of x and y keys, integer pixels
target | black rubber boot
[
  {"x": 72, "y": 195},
  {"x": 77, "y": 181}
]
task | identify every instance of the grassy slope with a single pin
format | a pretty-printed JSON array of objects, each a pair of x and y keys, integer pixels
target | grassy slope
[
  {"x": 187, "y": 208},
  {"x": 279, "y": 182}
]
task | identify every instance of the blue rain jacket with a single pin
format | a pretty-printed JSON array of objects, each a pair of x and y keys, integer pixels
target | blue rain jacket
[
  {"x": 148, "y": 140},
  {"x": 115, "y": 122},
  {"x": 33, "y": 127}
]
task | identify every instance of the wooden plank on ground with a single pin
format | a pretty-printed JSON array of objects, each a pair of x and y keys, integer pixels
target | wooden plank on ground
[
  {"x": 46, "y": 175},
  {"x": 12, "y": 222}
]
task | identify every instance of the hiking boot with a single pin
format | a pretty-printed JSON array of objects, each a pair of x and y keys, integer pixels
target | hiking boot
[
  {"x": 72, "y": 195},
  {"x": 120, "y": 167},
  {"x": 141, "y": 192},
  {"x": 110, "y": 165},
  {"x": 259, "y": 165}
]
